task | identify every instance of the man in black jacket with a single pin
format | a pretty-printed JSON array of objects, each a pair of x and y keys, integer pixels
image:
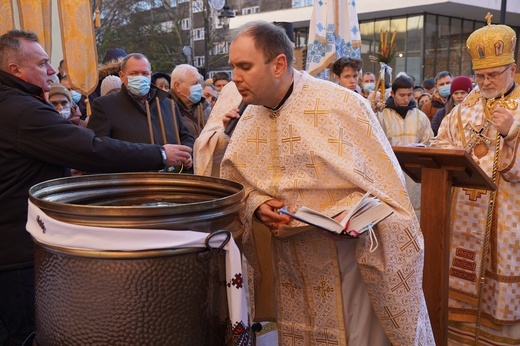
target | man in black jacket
[
  {"x": 140, "y": 112},
  {"x": 37, "y": 144}
]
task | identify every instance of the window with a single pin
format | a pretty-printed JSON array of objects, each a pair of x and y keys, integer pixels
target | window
[
  {"x": 198, "y": 34},
  {"x": 156, "y": 3},
  {"x": 198, "y": 61},
  {"x": 182, "y": 1},
  {"x": 186, "y": 24},
  {"x": 220, "y": 48},
  {"x": 197, "y": 6},
  {"x": 251, "y": 10},
  {"x": 301, "y": 3},
  {"x": 141, "y": 6},
  {"x": 217, "y": 21},
  {"x": 173, "y": 3},
  {"x": 166, "y": 26}
]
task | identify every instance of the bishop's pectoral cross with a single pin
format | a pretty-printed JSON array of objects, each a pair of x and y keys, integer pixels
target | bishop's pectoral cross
[{"x": 478, "y": 141}]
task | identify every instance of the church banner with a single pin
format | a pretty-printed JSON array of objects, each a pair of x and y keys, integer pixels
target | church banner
[
  {"x": 79, "y": 44},
  {"x": 333, "y": 33},
  {"x": 6, "y": 17}
]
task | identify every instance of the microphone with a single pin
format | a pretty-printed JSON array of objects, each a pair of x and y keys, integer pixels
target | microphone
[{"x": 231, "y": 126}]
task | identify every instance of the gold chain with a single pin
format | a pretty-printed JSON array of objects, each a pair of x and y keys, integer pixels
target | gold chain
[{"x": 487, "y": 233}]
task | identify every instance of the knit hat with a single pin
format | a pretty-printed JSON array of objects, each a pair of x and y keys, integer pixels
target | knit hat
[
  {"x": 461, "y": 83},
  {"x": 110, "y": 83},
  {"x": 57, "y": 88},
  {"x": 114, "y": 54}
]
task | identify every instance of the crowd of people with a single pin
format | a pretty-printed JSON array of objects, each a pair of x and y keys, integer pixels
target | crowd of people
[{"x": 298, "y": 141}]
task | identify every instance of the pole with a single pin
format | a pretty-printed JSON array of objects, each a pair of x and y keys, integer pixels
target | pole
[
  {"x": 503, "y": 11},
  {"x": 207, "y": 37}
]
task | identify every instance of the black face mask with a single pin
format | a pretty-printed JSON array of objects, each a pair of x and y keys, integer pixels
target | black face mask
[{"x": 399, "y": 109}]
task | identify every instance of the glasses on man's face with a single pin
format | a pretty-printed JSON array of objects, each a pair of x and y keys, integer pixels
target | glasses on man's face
[{"x": 490, "y": 76}]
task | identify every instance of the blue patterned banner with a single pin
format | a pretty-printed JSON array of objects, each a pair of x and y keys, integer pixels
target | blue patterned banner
[{"x": 333, "y": 33}]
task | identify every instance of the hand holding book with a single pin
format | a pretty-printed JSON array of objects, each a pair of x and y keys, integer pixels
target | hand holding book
[{"x": 362, "y": 216}]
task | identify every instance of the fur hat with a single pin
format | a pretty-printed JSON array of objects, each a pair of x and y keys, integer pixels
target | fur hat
[
  {"x": 59, "y": 89},
  {"x": 110, "y": 83},
  {"x": 461, "y": 83}
]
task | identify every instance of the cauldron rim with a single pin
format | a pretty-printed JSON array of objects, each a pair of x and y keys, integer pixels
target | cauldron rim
[{"x": 39, "y": 194}]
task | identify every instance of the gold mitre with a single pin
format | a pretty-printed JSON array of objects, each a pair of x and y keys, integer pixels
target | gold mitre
[{"x": 492, "y": 45}]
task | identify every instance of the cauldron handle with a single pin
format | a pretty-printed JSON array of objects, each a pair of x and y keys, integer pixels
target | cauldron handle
[
  {"x": 204, "y": 255},
  {"x": 211, "y": 235}
]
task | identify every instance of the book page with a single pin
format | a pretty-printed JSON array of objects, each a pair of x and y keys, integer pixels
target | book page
[
  {"x": 359, "y": 223},
  {"x": 315, "y": 218},
  {"x": 362, "y": 202}
]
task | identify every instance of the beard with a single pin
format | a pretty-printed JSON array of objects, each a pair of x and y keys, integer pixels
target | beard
[{"x": 494, "y": 93}]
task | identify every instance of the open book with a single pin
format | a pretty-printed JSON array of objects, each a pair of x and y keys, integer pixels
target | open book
[{"x": 364, "y": 215}]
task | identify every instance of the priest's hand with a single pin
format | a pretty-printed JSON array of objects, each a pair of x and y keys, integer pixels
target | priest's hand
[
  {"x": 502, "y": 120},
  {"x": 268, "y": 214},
  {"x": 230, "y": 115}
]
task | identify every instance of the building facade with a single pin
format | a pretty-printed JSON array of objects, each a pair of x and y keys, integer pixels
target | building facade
[{"x": 430, "y": 38}]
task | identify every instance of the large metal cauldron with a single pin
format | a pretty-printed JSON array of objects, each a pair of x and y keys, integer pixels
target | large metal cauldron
[{"x": 159, "y": 297}]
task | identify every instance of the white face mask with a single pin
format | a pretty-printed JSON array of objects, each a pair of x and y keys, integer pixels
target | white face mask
[
  {"x": 65, "y": 112},
  {"x": 76, "y": 96}
]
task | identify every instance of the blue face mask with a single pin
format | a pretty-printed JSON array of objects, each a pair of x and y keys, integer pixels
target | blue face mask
[
  {"x": 76, "y": 96},
  {"x": 444, "y": 90},
  {"x": 195, "y": 93},
  {"x": 139, "y": 85},
  {"x": 368, "y": 87}
]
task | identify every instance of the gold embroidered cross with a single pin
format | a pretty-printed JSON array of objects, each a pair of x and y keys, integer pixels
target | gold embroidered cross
[
  {"x": 291, "y": 287},
  {"x": 326, "y": 341},
  {"x": 393, "y": 318},
  {"x": 237, "y": 163},
  {"x": 315, "y": 165},
  {"x": 363, "y": 173},
  {"x": 292, "y": 335},
  {"x": 331, "y": 201},
  {"x": 291, "y": 139},
  {"x": 296, "y": 187},
  {"x": 338, "y": 141},
  {"x": 404, "y": 281},
  {"x": 323, "y": 288},
  {"x": 412, "y": 240},
  {"x": 316, "y": 112},
  {"x": 257, "y": 140}
]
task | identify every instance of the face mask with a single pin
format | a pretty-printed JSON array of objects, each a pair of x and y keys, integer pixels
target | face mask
[
  {"x": 139, "y": 85},
  {"x": 368, "y": 87},
  {"x": 65, "y": 112},
  {"x": 444, "y": 91},
  {"x": 195, "y": 93},
  {"x": 76, "y": 96}
]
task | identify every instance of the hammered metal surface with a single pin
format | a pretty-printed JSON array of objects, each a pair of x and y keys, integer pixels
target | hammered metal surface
[{"x": 172, "y": 300}]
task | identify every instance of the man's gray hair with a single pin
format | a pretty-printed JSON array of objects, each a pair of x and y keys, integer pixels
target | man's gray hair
[
  {"x": 180, "y": 71},
  {"x": 11, "y": 50}
]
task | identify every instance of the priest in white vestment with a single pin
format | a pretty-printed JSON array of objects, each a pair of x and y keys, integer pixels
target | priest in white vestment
[
  {"x": 484, "y": 285},
  {"x": 305, "y": 141}
]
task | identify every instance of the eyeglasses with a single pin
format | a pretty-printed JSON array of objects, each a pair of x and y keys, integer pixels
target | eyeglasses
[{"x": 491, "y": 76}]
